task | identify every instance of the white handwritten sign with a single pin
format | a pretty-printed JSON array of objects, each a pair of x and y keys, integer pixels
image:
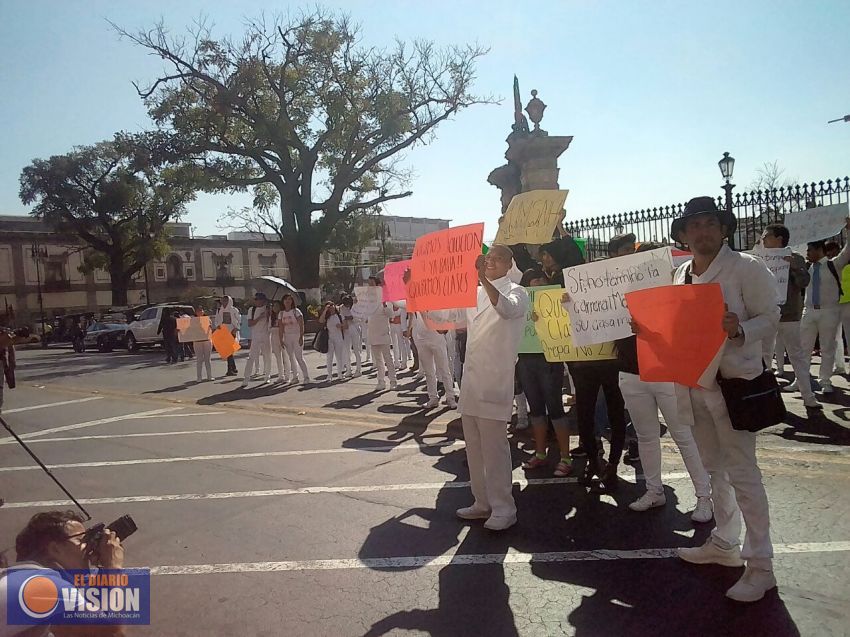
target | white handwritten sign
[
  {"x": 774, "y": 259},
  {"x": 813, "y": 224},
  {"x": 597, "y": 290},
  {"x": 531, "y": 217},
  {"x": 368, "y": 300}
]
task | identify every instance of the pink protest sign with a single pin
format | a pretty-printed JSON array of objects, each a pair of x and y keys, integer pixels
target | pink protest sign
[{"x": 394, "y": 288}]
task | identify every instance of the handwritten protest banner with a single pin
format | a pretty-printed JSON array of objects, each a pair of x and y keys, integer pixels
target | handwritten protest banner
[
  {"x": 774, "y": 259},
  {"x": 193, "y": 329},
  {"x": 531, "y": 217},
  {"x": 394, "y": 288},
  {"x": 368, "y": 300},
  {"x": 529, "y": 343},
  {"x": 443, "y": 274},
  {"x": 679, "y": 332},
  {"x": 813, "y": 224},
  {"x": 597, "y": 290},
  {"x": 224, "y": 343},
  {"x": 555, "y": 332}
]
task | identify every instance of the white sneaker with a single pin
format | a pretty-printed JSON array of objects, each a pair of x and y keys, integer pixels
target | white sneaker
[
  {"x": 358, "y": 374},
  {"x": 473, "y": 513},
  {"x": 826, "y": 387},
  {"x": 710, "y": 553},
  {"x": 393, "y": 385},
  {"x": 752, "y": 586},
  {"x": 269, "y": 380},
  {"x": 648, "y": 500},
  {"x": 245, "y": 385},
  {"x": 792, "y": 387},
  {"x": 380, "y": 387},
  {"x": 452, "y": 404},
  {"x": 704, "y": 510},
  {"x": 500, "y": 522},
  {"x": 434, "y": 402}
]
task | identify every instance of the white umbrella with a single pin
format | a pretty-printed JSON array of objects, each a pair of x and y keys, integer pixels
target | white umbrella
[{"x": 271, "y": 286}]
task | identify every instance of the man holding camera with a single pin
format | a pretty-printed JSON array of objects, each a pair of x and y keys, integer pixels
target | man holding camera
[{"x": 54, "y": 542}]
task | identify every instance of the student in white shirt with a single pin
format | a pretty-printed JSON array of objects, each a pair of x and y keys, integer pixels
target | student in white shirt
[
  {"x": 378, "y": 329},
  {"x": 330, "y": 318},
  {"x": 259, "y": 320},
  {"x": 291, "y": 334}
]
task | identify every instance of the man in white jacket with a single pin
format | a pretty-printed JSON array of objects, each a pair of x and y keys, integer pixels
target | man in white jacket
[
  {"x": 494, "y": 329},
  {"x": 729, "y": 455}
]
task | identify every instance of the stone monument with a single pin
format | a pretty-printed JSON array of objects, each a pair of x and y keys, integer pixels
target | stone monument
[{"x": 532, "y": 154}]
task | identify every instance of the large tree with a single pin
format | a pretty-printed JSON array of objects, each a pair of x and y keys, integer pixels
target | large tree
[
  {"x": 303, "y": 115},
  {"x": 116, "y": 196}
]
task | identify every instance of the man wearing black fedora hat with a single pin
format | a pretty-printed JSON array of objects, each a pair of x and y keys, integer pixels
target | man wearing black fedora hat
[{"x": 729, "y": 455}]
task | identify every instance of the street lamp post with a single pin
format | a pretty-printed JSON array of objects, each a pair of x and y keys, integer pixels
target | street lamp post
[
  {"x": 846, "y": 118},
  {"x": 727, "y": 166},
  {"x": 36, "y": 255},
  {"x": 383, "y": 233}
]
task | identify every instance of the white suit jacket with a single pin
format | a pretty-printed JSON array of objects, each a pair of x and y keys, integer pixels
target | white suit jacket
[
  {"x": 378, "y": 327},
  {"x": 749, "y": 290},
  {"x": 493, "y": 335}
]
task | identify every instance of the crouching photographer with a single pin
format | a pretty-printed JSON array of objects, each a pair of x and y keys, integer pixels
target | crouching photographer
[{"x": 55, "y": 542}]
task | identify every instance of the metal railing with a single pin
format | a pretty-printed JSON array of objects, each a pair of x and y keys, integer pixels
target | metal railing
[{"x": 754, "y": 210}]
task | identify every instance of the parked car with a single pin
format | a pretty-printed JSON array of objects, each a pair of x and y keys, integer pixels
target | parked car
[
  {"x": 143, "y": 332},
  {"x": 105, "y": 336}
]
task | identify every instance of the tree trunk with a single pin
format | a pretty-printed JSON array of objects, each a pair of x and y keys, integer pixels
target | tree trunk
[
  {"x": 302, "y": 256},
  {"x": 120, "y": 283}
]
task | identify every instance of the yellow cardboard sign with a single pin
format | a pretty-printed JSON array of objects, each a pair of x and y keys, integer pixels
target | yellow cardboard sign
[
  {"x": 531, "y": 217},
  {"x": 555, "y": 333}
]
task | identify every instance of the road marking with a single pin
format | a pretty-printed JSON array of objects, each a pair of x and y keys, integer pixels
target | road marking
[
  {"x": 230, "y": 456},
  {"x": 82, "y": 425},
  {"x": 153, "y": 434},
  {"x": 509, "y": 557},
  {"x": 46, "y": 405},
  {"x": 266, "y": 493}
]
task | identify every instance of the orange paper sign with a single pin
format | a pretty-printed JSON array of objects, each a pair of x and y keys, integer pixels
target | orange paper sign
[
  {"x": 224, "y": 343},
  {"x": 679, "y": 331},
  {"x": 443, "y": 274}
]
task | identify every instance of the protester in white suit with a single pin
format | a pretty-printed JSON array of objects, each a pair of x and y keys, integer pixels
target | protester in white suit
[
  {"x": 494, "y": 329},
  {"x": 259, "y": 320},
  {"x": 729, "y": 455},
  {"x": 331, "y": 318},
  {"x": 378, "y": 334},
  {"x": 277, "y": 344},
  {"x": 433, "y": 359}
]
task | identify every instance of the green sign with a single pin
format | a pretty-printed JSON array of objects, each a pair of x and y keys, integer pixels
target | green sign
[
  {"x": 530, "y": 344},
  {"x": 582, "y": 245}
]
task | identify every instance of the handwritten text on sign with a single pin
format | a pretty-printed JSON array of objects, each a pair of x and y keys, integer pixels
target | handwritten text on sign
[
  {"x": 555, "y": 333},
  {"x": 774, "y": 259},
  {"x": 394, "y": 288},
  {"x": 443, "y": 274},
  {"x": 529, "y": 343},
  {"x": 814, "y": 224},
  {"x": 597, "y": 292},
  {"x": 368, "y": 301},
  {"x": 531, "y": 217}
]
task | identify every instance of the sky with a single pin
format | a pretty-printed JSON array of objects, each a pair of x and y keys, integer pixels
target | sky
[{"x": 653, "y": 92}]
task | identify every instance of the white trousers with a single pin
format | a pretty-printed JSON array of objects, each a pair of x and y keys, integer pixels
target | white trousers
[
  {"x": 382, "y": 358},
  {"x": 843, "y": 325},
  {"x": 787, "y": 339},
  {"x": 489, "y": 456},
  {"x": 295, "y": 353},
  {"x": 434, "y": 363},
  {"x": 277, "y": 355},
  {"x": 400, "y": 345},
  {"x": 259, "y": 347},
  {"x": 203, "y": 351},
  {"x": 736, "y": 482},
  {"x": 643, "y": 400},
  {"x": 352, "y": 341},
  {"x": 820, "y": 324},
  {"x": 336, "y": 351}
]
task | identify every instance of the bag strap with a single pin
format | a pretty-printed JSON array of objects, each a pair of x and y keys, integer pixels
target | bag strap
[
  {"x": 834, "y": 272},
  {"x": 688, "y": 278}
]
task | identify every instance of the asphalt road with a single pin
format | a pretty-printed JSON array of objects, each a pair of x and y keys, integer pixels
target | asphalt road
[{"x": 329, "y": 510}]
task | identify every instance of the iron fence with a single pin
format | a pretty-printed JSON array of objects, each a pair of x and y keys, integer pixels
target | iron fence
[{"x": 754, "y": 210}]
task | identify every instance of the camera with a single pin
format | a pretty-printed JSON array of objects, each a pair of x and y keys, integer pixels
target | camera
[{"x": 123, "y": 527}]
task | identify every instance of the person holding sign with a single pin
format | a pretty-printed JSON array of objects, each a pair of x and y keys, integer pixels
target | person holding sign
[
  {"x": 729, "y": 454},
  {"x": 229, "y": 316},
  {"x": 821, "y": 312},
  {"x": 787, "y": 338},
  {"x": 203, "y": 347},
  {"x": 494, "y": 329}
]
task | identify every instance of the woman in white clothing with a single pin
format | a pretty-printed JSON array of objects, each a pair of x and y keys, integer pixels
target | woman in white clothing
[
  {"x": 203, "y": 350},
  {"x": 378, "y": 332},
  {"x": 351, "y": 336},
  {"x": 291, "y": 334},
  {"x": 277, "y": 345},
  {"x": 398, "y": 329},
  {"x": 331, "y": 319}
]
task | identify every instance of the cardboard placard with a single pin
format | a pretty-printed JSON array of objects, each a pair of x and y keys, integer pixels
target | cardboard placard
[
  {"x": 531, "y": 217},
  {"x": 555, "y": 332}
]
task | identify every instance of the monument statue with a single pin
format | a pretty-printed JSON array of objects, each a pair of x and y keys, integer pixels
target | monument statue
[{"x": 520, "y": 122}]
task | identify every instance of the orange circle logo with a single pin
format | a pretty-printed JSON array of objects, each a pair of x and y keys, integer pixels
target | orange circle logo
[{"x": 38, "y": 596}]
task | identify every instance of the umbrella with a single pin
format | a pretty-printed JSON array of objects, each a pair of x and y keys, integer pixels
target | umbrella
[{"x": 271, "y": 286}]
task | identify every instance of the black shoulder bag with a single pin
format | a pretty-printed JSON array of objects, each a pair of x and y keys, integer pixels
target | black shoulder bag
[{"x": 754, "y": 404}]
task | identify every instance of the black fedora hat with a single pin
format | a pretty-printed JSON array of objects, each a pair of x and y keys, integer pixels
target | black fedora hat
[{"x": 702, "y": 206}]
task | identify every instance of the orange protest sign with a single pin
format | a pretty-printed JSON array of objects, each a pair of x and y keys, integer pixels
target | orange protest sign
[
  {"x": 224, "y": 343},
  {"x": 679, "y": 331},
  {"x": 443, "y": 274}
]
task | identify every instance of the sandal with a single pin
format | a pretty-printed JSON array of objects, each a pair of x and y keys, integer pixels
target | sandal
[
  {"x": 563, "y": 470},
  {"x": 534, "y": 463}
]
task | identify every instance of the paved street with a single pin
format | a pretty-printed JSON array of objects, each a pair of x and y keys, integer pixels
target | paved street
[{"x": 329, "y": 510}]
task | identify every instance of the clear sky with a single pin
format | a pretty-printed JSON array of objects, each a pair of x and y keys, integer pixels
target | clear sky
[{"x": 653, "y": 92}]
